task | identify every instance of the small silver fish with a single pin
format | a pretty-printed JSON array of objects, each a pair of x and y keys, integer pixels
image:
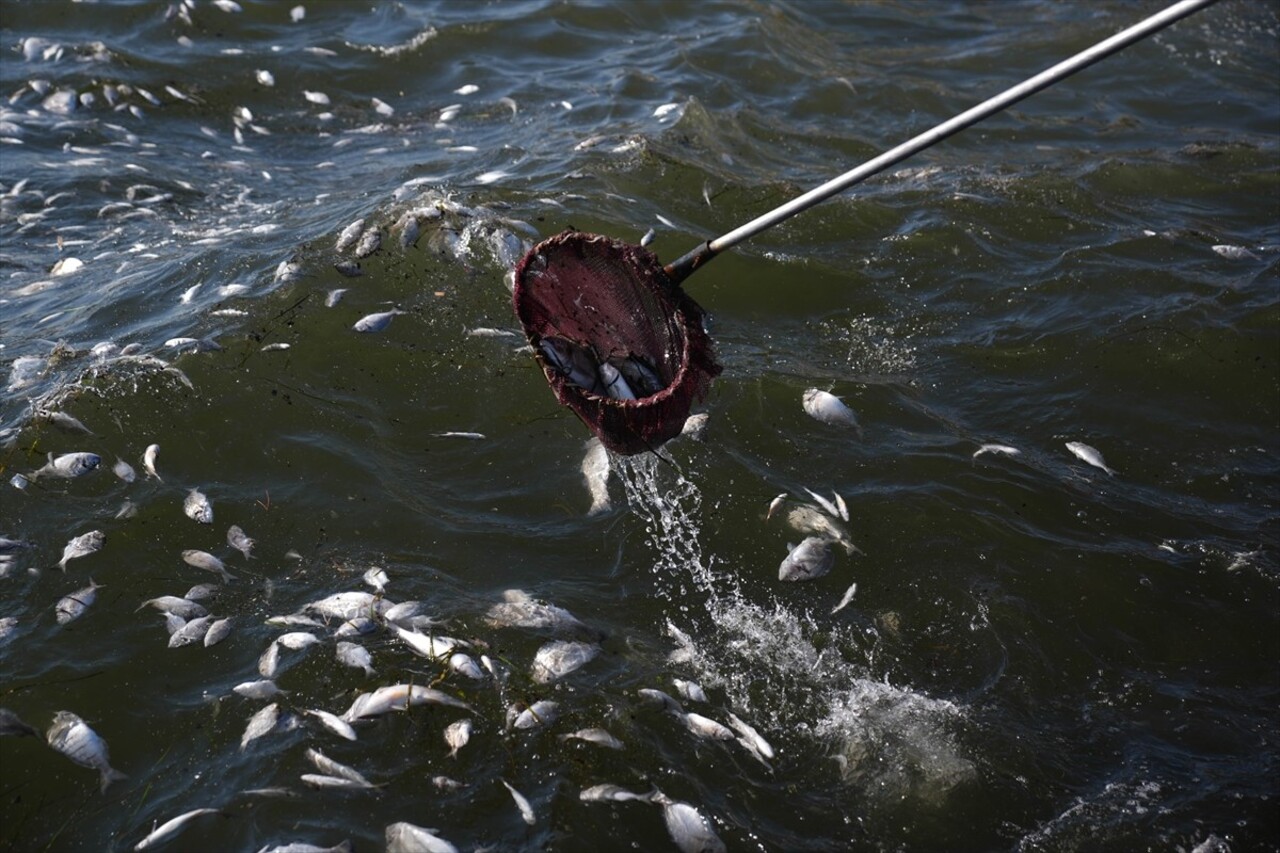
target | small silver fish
[
  {"x": 811, "y": 521},
  {"x": 297, "y": 640},
  {"x": 465, "y": 665},
  {"x": 67, "y": 466},
  {"x": 595, "y": 472},
  {"x": 1089, "y": 454},
  {"x": 262, "y": 689},
  {"x": 206, "y": 561},
  {"x": 648, "y": 237},
  {"x": 328, "y": 766},
  {"x": 170, "y": 828},
  {"x": 828, "y": 408},
  {"x": 599, "y": 737},
  {"x": 237, "y": 539},
  {"x": 751, "y": 738},
  {"x": 558, "y": 658},
  {"x": 333, "y": 723},
  {"x": 540, "y": 713},
  {"x": 526, "y": 810},
  {"x": 355, "y": 656},
  {"x": 218, "y": 631},
  {"x": 197, "y": 507},
  {"x": 63, "y": 421},
  {"x": 811, "y": 559},
  {"x": 774, "y": 506},
  {"x": 848, "y": 597},
  {"x": 71, "y": 736},
  {"x": 192, "y": 632},
  {"x": 369, "y": 243},
  {"x": 341, "y": 783},
  {"x": 74, "y": 605},
  {"x": 997, "y": 448},
  {"x": 261, "y": 723},
  {"x": 149, "y": 460},
  {"x": 269, "y": 661},
  {"x": 407, "y": 838},
  {"x": 456, "y": 735},
  {"x": 376, "y": 578},
  {"x": 660, "y": 699},
  {"x": 690, "y": 829},
  {"x": 613, "y": 794},
  {"x": 705, "y": 727},
  {"x": 333, "y": 297},
  {"x": 690, "y": 690},
  {"x": 82, "y": 546},
  {"x": 349, "y": 235},
  {"x": 375, "y": 322},
  {"x": 124, "y": 471}
]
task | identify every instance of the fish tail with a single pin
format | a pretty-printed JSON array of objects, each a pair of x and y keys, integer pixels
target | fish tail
[{"x": 109, "y": 775}]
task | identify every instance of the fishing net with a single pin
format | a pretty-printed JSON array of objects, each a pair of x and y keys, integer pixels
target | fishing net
[{"x": 620, "y": 343}]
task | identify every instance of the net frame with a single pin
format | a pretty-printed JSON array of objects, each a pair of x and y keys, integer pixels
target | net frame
[{"x": 613, "y": 301}]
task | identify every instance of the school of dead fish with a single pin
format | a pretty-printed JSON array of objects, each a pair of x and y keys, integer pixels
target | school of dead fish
[{"x": 346, "y": 622}]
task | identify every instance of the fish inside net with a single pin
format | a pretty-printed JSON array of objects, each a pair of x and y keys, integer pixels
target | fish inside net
[{"x": 620, "y": 343}]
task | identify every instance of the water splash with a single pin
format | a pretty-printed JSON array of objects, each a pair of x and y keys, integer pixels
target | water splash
[{"x": 787, "y": 671}]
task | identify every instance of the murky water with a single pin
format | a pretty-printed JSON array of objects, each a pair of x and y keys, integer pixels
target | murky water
[{"x": 1037, "y": 655}]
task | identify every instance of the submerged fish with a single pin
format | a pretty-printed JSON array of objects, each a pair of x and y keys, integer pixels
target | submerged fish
[
  {"x": 407, "y": 838},
  {"x": 614, "y": 794},
  {"x": 261, "y": 723},
  {"x": 237, "y": 539},
  {"x": 124, "y": 471},
  {"x": 71, "y": 736},
  {"x": 184, "y": 607},
  {"x": 690, "y": 829},
  {"x": 828, "y": 408},
  {"x": 1089, "y": 454},
  {"x": 74, "y": 605},
  {"x": 170, "y": 828},
  {"x": 82, "y": 546},
  {"x": 208, "y": 562},
  {"x": 811, "y": 559},
  {"x": 456, "y": 735},
  {"x": 558, "y": 658},
  {"x": 333, "y": 723},
  {"x": 599, "y": 737},
  {"x": 997, "y": 448},
  {"x": 526, "y": 810},
  {"x": 67, "y": 466},
  {"x": 519, "y": 610},
  {"x": 197, "y": 507},
  {"x": 355, "y": 656}
]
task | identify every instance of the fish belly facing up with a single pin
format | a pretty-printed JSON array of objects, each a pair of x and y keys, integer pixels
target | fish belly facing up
[
  {"x": 197, "y": 507},
  {"x": 82, "y": 546},
  {"x": 811, "y": 559},
  {"x": 71, "y": 736},
  {"x": 1090, "y": 455},
  {"x": 68, "y": 465},
  {"x": 828, "y": 408}
]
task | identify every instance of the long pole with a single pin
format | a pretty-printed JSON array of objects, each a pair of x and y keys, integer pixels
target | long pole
[{"x": 681, "y": 268}]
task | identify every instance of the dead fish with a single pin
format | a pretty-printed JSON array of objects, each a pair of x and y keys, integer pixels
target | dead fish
[
  {"x": 599, "y": 737},
  {"x": 705, "y": 727},
  {"x": 124, "y": 471},
  {"x": 444, "y": 783},
  {"x": 812, "y": 558},
  {"x": 192, "y": 632},
  {"x": 74, "y": 605},
  {"x": 996, "y": 448},
  {"x": 333, "y": 723},
  {"x": 377, "y": 578},
  {"x": 260, "y": 724},
  {"x": 299, "y": 846},
  {"x": 297, "y": 640},
  {"x": 656, "y": 697},
  {"x": 465, "y": 665},
  {"x": 613, "y": 794},
  {"x": 828, "y": 408},
  {"x": 774, "y": 506},
  {"x": 406, "y": 838},
  {"x": 218, "y": 631},
  {"x": 375, "y": 322},
  {"x": 329, "y": 767},
  {"x": 690, "y": 690},
  {"x": 519, "y": 610},
  {"x": 149, "y": 460},
  {"x": 238, "y": 540},
  {"x": 430, "y": 647},
  {"x": 62, "y": 421},
  {"x": 348, "y": 605},
  {"x": 349, "y": 235},
  {"x": 322, "y": 781},
  {"x": 184, "y": 607},
  {"x": 197, "y": 507},
  {"x": 269, "y": 661},
  {"x": 170, "y": 828},
  {"x": 355, "y": 656},
  {"x": 846, "y": 598},
  {"x": 262, "y": 689},
  {"x": 369, "y": 243},
  {"x": 830, "y": 508},
  {"x": 526, "y": 810},
  {"x": 695, "y": 426},
  {"x": 689, "y": 828},
  {"x": 810, "y": 521},
  {"x": 71, "y": 736},
  {"x": 206, "y": 561},
  {"x": 751, "y": 738},
  {"x": 456, "y": 735},
  {"x": 82, "y": 546},
  {"x": 398, "y": 697},
  {"x": 1089, "y": 454},
  {"x": 333, "y": 297},
  {"x": 595, "y": 471},
  {"x": 201, "y": 591},
  {"x": 540, "y": 713},
  {"x": 558, "y": 658},
  {"x": 11, "y": 725},
  {"x": 67, "y": 466}
]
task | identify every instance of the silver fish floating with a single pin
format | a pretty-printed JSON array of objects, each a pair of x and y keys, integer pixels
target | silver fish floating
[
  {"x": 149, "y": 460},
  {"x": 828, "y": 408},
  {"x": 71, "y": 736},
  {"x": 82, "y": 546},
  {"x": 457, "y": 735},
  {"x": 407, "y": 838},
  {"x": 73, "y": 606},
  {"x": 375, "y": 322},
  {"x": 689, "y": 828},
  {"x": 558, "y": 658},
  {"x": 237, "y": 539},
  {"x": 170, "y": 828},
  {"x": 206, "y": 561},
  {"x": 67, "y": 466},
  {"x": 811, "y": 559},
  {"x": 197, "y": 507},
  {"x": 1088, "y": 454}
]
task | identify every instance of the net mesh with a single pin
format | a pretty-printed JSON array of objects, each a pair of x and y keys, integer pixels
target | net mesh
[{"x": 620, "y": 343}]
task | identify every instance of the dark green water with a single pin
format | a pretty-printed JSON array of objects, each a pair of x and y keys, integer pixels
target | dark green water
[{"x": 1039, "y": 656}]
